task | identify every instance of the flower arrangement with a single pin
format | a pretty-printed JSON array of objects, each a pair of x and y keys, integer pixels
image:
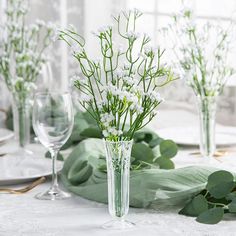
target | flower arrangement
[
  {"x": 22, "y": 48},
  {"x": 120, "y": 90},
  {"x": 22, "y": 55},
  {"x": 201, "y": 52}
]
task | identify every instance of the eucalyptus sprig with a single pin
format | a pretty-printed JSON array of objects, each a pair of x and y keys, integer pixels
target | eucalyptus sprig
[
  {"x": 201, "y": 52},
  {"x": 22, "y": 48},
  {"x": 218, "y": 198},
  {"x": 120, "y": 90}
]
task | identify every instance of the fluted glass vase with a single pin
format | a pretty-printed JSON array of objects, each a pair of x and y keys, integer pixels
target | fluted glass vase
[
  {"x": 21, "y": 123},
  {"x": 118, "y": 172},
  {"x": 207, "y": 113}
]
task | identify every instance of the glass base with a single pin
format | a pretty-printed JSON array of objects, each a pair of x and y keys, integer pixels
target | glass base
[
  {"x": 53, "y": 194},
  {"x": 118, "y": 224}
]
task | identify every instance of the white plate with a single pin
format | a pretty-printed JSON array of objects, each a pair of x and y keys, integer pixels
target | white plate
[
  {"x": 190, "y": 135},
  {"x": 5, "y": 134},
  {"x": 15, "y": 170}
]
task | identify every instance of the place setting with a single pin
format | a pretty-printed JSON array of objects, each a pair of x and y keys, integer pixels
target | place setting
[{"x": 112, "y": 131}]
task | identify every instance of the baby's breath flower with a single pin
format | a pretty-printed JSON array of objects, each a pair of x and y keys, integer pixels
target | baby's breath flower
[
  {"x": 120, "y": 85},
  {"x": 40, "y": 23},
  {"x": 132, "y": 35}
]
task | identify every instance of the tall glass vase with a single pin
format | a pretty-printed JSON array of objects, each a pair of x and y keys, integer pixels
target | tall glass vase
[
  {"x": 21, "y": 123},
  {"x": 118, "y": 171},
  {"x": 207, "y": 113}
]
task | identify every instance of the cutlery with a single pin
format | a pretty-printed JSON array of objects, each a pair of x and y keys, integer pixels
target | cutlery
[{"x": 25, "y": 189}]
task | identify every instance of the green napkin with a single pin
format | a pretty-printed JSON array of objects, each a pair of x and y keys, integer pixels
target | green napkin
[{"x": 83, "y": 174}]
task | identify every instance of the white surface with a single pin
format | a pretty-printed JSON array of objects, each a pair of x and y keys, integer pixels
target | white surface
[
  {"x": 5, "y": 134},
  {"x": 15, "y": 170},
  {"x": 189, "y": 135},
  {"x": 23, "y": 215}
]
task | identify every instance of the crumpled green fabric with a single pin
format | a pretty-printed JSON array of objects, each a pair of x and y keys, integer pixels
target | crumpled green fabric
[{"x": 153, "y": 188}]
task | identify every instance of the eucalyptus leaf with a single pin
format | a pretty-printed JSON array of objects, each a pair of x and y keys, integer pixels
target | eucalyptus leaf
[
  {"x": 165, "y": 163},
  {"x": 188, "y": 210},
  {"x": 168, "y": 148},
  {"x": 197, "y": 205},
  {"x": 231, "y": 196},
  {"x": 211, "y": 216},
  {"x": 142, "y": 152},
  {"x": 221, "y": 190},
  {"x": 155, "y": 142},
  {"x": 219, "y": 177},
  {"x": 200, "y": 204},
  {"x": 232, "y": 207},
  {"x": 92, "y": 132}
]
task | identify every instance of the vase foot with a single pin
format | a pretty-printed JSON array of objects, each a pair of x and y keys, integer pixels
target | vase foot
[
  {"x": 118, "y": 224},
  {"x": 53, "y": 194}
]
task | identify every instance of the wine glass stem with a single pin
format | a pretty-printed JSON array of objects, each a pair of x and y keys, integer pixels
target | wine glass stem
[{"x": 54, "y": 154}]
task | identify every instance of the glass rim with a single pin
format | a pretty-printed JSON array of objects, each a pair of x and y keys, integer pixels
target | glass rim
[{"x": 121, "y": 141}]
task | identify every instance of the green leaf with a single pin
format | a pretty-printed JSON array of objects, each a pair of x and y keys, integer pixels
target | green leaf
[
  {"x": 220, "y": 184},
  {"x": 211, "y": 216},
  {"x": 92, "y": 132},
  {"x": 218, "y": 177},
  {"x": 231, "y": 196},
  {"x": 221, "y": 190},
  {"x": 165, "y": 163},
  {"x": 155, "y": 142},
  {"x": 141, "y": 152},
  {"x": 195, "y": 207},
  {"x": 232, "y": 207},
  {"x": 200, "y": 204},
  {"x": 168, "y": 148},
  {"x": 188, "y": 210}
]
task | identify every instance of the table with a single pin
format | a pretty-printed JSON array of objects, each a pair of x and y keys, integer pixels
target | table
[{"x": 23, "y": 215}]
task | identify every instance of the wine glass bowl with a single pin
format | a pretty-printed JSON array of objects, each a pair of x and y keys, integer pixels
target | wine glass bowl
[{"x": 53, "y": 121}]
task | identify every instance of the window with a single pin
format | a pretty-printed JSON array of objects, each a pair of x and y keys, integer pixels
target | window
[{"x": 157, "y": 13}]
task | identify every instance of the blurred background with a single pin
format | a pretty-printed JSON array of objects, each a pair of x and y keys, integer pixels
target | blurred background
[{"x": 89, "y": 15}]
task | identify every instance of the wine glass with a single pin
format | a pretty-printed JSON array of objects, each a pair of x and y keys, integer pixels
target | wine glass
[{"x": 53, "y": 121}]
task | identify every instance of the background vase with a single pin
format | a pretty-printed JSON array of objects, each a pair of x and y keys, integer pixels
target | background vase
[
  {"x": 207, "y": 113},
  {"x": 118, "y": 172},
  {"x": 21, "y": 122}
]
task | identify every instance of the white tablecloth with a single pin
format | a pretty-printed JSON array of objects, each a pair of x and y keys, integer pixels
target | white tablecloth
[{"x": 23, "y": 215}]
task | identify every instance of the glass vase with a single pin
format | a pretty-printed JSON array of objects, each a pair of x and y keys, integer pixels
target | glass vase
[
  {"x": 21, "y": 123},
  {"x": 207, "y": 113},
  {"x": 118, "y": 171}
]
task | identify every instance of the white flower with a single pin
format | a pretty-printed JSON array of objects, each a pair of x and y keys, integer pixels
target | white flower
[
  {"x": 119, "y": 73},
  {"x": 104, "y": 29},
  {"x": 73, "y": 79},
  {"x": 128, "y": 80},
  {"x": 30, "y": 86},
  {"x": 154, "y": 96},
  {"x": 51, "y": 26},
  {"x": 105, "y": 133},
  {"x": 34, "y": 27},
  {"x": 149, "y": 49},
  {"x": 76, "y": 49},
  {"x": 142, "y": 55},
  {"x": 132, "y": 35},
  {"x": 40, "y": 23},
  {"x": 85, "y": 98},
  {"x": 112, "y": 131},
  {"x": 135, "y": 107},
  {"x": 106, "y": 118}
]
